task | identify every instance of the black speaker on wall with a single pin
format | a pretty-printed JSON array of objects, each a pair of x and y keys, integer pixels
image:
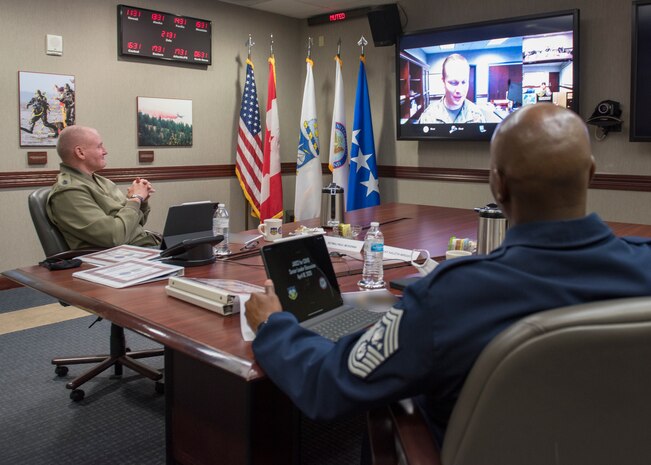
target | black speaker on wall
[{"x": 385, "y": 24}]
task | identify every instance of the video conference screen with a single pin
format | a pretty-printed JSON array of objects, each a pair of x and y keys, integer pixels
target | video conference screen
[
  {"x": 641, "y": 73},
  {"x": 460, "y": 82}
]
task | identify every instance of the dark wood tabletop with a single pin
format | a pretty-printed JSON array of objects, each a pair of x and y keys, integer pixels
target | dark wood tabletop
[{"x": 217, "y": 340}]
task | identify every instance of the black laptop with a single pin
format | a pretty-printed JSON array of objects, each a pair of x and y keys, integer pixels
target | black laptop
[
  {"x": 306, "y": 285},
  {"x": 188, "y": 221},
  {"x": 187, "y": 237}
]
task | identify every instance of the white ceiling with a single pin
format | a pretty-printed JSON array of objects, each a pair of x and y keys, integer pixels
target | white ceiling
[{"x": 305, "y": 8}]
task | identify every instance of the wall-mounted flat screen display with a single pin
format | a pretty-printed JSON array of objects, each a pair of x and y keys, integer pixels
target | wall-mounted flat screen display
[
  {"x": 164, "y": 36},
  {"x": 641, "y": 73},
  {"x": 459, "y": 82}
]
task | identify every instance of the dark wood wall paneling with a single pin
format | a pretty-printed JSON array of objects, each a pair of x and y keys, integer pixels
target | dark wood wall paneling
[{"x": 13, "y": 180}]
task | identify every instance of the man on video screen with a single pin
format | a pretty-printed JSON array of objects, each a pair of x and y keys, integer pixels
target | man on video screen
[{"x": 454, "y": 107}]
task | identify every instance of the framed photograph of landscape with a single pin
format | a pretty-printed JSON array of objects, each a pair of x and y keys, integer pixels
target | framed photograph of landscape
[
  {"x": 164, "y": 122},
  {"x": 46, "y": 106}
]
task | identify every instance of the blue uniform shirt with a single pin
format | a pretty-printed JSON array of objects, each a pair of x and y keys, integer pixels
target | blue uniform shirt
[{"x": 427, "y": 344}]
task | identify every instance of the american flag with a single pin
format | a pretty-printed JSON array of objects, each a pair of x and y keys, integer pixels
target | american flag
[{"x": 248, "y": 161}]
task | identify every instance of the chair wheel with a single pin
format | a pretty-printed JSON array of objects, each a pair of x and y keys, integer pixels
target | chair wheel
[
  {"x": 77, "y": 395},
  {"x": 159, "y": 387},
  {"x": 61, "y": 370}
]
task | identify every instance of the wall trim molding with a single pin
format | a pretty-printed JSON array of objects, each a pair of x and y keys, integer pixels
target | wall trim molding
[
  {"x": 20, "y": 179},
  {"x": 17, "y": 179}
]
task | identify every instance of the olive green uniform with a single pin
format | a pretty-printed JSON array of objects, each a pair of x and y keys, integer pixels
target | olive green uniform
[{"x": 91, "y": 211}]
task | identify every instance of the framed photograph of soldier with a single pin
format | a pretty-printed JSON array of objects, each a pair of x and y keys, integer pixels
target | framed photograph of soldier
[
  {"x": 164, "y": 122},
  {"x": 46, "y": 106}
]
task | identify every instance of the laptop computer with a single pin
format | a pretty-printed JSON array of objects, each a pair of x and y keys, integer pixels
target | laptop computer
[
  {"x": 307, "y": 286},
  {"x": 187, "y": 221},
  {"x": 187, "y": 237}
]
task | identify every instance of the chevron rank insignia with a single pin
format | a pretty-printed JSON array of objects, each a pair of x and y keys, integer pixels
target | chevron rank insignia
[{"x": 376, "y": 345}]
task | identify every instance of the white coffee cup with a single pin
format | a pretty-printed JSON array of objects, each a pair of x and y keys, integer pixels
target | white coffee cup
[
  {"x": 271, "y": 229},
  {"x": 449, "y": 254}
]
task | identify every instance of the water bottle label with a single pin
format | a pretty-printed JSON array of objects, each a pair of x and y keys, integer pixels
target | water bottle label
[
  {"x": 377, "y": 247},
  {"x": 220, "y": 222}
]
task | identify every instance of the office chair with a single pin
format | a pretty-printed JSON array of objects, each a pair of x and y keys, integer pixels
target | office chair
[
  {"x": 55, "y": 246},
  {"x": 566, "y": 386}
]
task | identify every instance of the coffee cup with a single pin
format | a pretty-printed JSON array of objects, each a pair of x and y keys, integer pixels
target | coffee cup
[
  {"x": 449, "y": 254},
  {"x": 271, "y": 229}
]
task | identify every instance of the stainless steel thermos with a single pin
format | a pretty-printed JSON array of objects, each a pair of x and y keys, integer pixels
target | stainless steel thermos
[
  {"x": 332, "y": 205},
  {"x": 491, "y": 228}
]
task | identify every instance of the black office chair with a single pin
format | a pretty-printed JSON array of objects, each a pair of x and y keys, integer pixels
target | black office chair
[
  {"x": 569, "y": 385},
  {"x": 55, "y": 246}
]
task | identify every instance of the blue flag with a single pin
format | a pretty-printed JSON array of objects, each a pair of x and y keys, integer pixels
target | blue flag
[{"x": 363, "y": 189}]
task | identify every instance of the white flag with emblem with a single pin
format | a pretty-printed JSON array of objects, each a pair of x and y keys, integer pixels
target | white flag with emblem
[
  {"x": 308, "y": 165},
  {"x": 338, "y": 161}
]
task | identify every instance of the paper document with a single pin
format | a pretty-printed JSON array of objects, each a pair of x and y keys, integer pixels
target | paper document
[
  {"x": 129, "y": 273},
  {"x": 119, "y": 254}
]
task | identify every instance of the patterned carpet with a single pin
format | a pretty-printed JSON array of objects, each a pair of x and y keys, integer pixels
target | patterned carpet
[{"x": 119, "y": 421}]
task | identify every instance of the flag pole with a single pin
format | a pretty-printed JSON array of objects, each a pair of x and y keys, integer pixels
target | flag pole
[
  {"x": 247, "y": 207},
  {"x": 362, "y": 42},
  {"x": 271, "y": 188},
  {"x": 249, "y": 43},
  {"x": 249, "y": 130}
]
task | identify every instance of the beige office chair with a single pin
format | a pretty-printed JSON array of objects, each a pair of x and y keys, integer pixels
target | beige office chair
[
  {"x": 55, "y": 246},
  {"x": 566, "y": 386}
]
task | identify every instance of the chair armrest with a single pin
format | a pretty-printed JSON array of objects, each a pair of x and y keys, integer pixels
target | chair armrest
[
  {"x": 68, "y": 254},
  {"x": 414, "y": 434},
  {"x": 380, "y": 436},
  {"x": 398, "y": 433}
]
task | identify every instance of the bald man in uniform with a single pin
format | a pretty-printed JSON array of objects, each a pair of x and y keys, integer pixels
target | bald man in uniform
[
  {"x": 553, "y": 255},
  {"x": 90, "y": 210}
]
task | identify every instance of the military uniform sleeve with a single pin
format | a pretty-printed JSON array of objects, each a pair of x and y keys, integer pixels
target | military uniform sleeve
[
  {"x": 390, "y": 361},
  {"x": 77, "y": 213},
  {"x": 145, "y": 209}
]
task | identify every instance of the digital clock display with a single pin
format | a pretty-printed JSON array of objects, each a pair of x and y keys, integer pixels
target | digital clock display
[{"x": 160, "y": 35}]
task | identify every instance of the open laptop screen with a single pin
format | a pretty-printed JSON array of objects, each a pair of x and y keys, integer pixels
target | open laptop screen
[
  {"x": 303, "y": 276},
  {"x": 188, "y": 221}
]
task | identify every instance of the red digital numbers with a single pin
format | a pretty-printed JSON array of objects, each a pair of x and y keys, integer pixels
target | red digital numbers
[
  {"x": 132, "y": 13},
  {"x": 200, "y": 55},
  {"x": 134, "y": 45},
  {"x": 201, "y": 25},
  {"x": 168, "y": 34},
  {"x": 157, "y": 49},
  {"x": 157, "y": 17},
  {"x": 180, "y": 21},
  {"x": 337, "y": 17},
  {"x": 181, "y": 52}
]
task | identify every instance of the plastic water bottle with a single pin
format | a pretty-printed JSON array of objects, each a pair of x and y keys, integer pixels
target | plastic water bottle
[
  {"x": 220, "y": 225},
  {"x": 373, "y": 271}
]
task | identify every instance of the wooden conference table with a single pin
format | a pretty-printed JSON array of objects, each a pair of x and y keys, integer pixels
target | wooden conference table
[{"x": 220, "y": 407}]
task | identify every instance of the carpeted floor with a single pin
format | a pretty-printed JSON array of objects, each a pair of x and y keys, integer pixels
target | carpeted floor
[
  {"x": 119, "y": 421},
  {"x": 22, "y": 297}
]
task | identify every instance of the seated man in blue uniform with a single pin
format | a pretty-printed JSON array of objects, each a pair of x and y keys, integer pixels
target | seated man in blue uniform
[
  {"x": 89, "y": 209},
  {"x": 553, "y": 255}
]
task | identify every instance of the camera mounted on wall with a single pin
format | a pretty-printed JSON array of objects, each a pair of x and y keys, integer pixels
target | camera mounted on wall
[{"x": 606, "y": 118}]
